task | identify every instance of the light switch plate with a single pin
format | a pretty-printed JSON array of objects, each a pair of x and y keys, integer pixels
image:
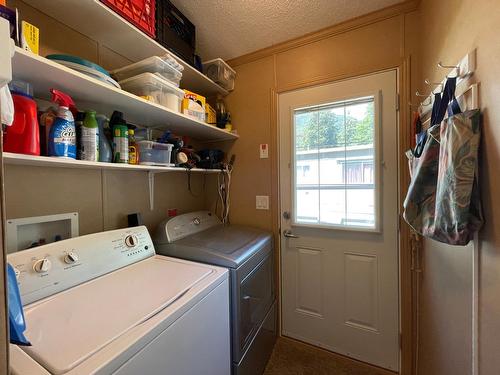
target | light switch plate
[
  {"x": 262, "y": 202},
  {"x": 264, "y": 150}
]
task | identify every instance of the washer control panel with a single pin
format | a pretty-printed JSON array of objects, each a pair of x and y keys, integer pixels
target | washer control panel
[{"x": 49, "y": 269}]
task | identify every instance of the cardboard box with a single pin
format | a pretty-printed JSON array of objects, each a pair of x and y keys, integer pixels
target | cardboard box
[
  {"x": 210, "y": 115},
  {"x": 193, "y": 105},
  {"x": 30, "y": 37}
]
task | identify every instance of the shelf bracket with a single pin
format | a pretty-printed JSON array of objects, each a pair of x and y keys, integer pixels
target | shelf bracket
[{"x": 151, "y": 186}]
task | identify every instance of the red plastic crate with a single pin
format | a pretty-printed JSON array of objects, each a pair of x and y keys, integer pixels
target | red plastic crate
[{"x": 141, "y": 13}]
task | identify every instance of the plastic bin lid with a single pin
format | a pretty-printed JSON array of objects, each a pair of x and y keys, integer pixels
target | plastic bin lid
[
  {"x": 162, "y": 64},
  {"x": 219, "y": 60},
  {"x": 150, "y": 79},
  {"x": 79, "y": 61},
  {"x": 153, "y": 144}
]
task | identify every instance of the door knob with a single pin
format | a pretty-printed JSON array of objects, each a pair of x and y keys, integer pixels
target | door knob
[{"x": 288, "y": 233}]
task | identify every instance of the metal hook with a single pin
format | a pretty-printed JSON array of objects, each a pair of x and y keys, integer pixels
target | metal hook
[
  {"x": 427, "y": 99},
  {"x": 435, "y": 84},
  {"x": 421, "y": 95},
  {"x": 456, "y": 67},
  {"x": 440, "y": 65}
]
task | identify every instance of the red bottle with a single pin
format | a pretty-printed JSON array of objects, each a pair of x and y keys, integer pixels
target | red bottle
[{"x": 23, "y": 136}]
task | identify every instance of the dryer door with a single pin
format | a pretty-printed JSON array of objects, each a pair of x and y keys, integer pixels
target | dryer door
[{"x": 255, "y": 294}]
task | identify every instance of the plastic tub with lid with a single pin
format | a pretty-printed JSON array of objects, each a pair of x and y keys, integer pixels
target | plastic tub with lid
[
  {"x": 155, "y": 89},
  {"x": 154, "y": 153},
  {"x": 219, "y": 72},
  {"x": 163, "y": 66}
]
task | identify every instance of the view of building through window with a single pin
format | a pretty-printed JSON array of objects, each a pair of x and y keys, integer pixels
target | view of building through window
[{"x": 334, "y": 164}]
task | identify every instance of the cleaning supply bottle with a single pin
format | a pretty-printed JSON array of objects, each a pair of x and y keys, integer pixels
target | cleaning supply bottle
[
  {"x": 105, "y": 150},
  {"x": 120, "y": 137},
  {"x": 89, "y": 141},
  {"x": 133, "y": 155},
  {"x": 23, "y": 136},
  {"x": 79, "y": 118},
  {"x": 62, "y": 137}
]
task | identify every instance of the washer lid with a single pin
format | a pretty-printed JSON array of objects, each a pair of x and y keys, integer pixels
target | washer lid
[{"x": 71, "y": 326}]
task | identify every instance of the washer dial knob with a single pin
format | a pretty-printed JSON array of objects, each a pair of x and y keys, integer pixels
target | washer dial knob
[
  {"x": 42, "y": 265},
  {"x": 71, "y": 257},
  {"x": 131, "y": 240}
]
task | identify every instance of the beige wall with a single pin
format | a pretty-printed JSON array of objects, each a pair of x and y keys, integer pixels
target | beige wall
[
  {"x": 376, "y": 46},
  {"x": 102, "y": 199},
  {"x": 448, "y": 30}
]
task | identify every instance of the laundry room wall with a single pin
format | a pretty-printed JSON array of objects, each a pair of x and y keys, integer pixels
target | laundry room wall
[
  {"x": 364, "y": 45},
  {"x": 102, "y": 198},
  {"x": 448, "y": 30}
]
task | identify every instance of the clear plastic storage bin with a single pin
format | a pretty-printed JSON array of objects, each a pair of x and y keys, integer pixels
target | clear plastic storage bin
[
  {"x": 219, "y": 72},
  {"x": 154, "y": 153},
  {"x": 165, "y": 66},
  {"x": 155, "y": 89}
]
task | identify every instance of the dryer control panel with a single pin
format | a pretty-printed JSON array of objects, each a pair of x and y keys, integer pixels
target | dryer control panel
[
  {"x": 49, "y": 269},
  {"x": 184, "y": 225}
]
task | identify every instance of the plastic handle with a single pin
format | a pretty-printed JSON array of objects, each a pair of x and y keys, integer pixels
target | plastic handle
[{"x": 64, "y": 100}]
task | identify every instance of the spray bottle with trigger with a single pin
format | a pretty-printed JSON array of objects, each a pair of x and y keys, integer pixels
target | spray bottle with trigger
[{"x": 62, "y": 136}]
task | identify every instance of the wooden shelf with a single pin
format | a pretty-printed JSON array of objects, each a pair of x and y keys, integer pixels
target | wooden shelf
[
  {"x": 89, "y": 92},
  {"x": 45, "y": 161},
  {"x": 97, "y": 21}
]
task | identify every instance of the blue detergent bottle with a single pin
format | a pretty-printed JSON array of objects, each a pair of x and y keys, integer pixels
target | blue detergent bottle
[{"x": 62, "y": 136}]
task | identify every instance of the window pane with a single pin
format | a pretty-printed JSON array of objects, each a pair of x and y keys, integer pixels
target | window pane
[
  {"x": 334, "y": 164},
  {"x": 307, "y": 206}
]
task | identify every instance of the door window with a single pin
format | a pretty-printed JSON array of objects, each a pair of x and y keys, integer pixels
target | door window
[{"x": 334, "y": 164}]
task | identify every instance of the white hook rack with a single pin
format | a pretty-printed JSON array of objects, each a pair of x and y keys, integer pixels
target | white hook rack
[{"x": 464, "y": 69}]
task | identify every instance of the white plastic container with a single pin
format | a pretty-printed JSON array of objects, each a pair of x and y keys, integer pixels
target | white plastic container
[
  {"x": 219, "y": 72},
  {"x": 154, "y": 153},
  {"x": 155, "y": 89},
  {"x": 154, "y": 64}
]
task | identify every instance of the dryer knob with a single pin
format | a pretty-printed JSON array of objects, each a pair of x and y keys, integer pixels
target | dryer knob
[{"x": 42, "y": 265}]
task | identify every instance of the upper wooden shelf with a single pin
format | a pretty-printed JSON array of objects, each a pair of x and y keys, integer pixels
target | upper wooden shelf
[
  {"x": 97, "y": 21},
  {"x": 89, "y": 92}
]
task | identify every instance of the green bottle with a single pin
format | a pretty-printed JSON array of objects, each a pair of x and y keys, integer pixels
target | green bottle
[
  {"x": 120, "y": 143},
  {"x": 89, "y": 142}
]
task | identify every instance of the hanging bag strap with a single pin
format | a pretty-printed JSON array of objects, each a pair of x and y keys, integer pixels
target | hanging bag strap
[
  {"x": 436, "y": 109},
  {"x": 449, "y": 102}
]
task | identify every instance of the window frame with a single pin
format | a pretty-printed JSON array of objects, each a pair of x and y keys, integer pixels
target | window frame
[{"x": 378, "y": 164}]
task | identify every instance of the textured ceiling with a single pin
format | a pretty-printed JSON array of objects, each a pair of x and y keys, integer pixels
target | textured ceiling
[{"x": 231, "y": 28}]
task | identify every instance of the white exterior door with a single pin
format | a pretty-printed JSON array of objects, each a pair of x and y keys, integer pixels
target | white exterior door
[{"x": 339, "y": 226}]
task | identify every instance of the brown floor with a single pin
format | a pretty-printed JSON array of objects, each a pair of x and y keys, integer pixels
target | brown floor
[{"x": 292, "y": 357}]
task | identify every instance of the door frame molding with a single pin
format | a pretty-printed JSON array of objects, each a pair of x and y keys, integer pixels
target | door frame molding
[{"x": 406, "y": 303}]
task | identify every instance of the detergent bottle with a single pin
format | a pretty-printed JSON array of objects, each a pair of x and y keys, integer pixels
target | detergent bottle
[
  {"x": 23, "y": 136},
  {"x": 62, "y": 136}
]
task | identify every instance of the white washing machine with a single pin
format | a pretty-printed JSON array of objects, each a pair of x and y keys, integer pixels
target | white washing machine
[{"x": 105, "y": 303}]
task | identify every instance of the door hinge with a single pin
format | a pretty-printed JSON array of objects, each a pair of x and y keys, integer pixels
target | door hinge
[{"x": 398, "y": 101}]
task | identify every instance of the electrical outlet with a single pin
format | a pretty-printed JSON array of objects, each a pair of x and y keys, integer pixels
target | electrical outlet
[
  {"x": 264, "y": 151},
  {"x": 262, "y": 202}
]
